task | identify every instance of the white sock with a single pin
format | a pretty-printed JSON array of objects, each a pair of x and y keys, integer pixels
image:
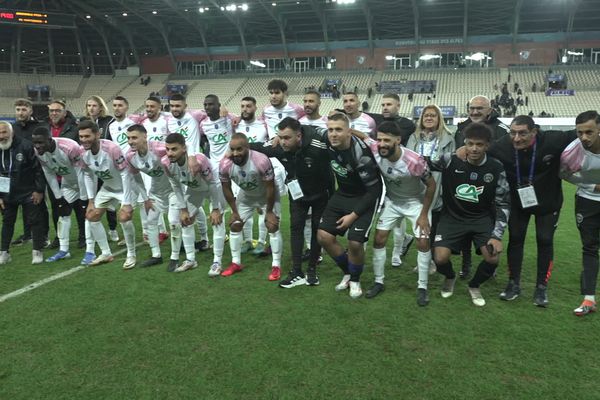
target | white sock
[
  {"x": 307, "y": 233},
  {"x": 399, "y": 237},
  {"x": 379, "y": 256},
  {"x": 275, "y": 239},
  {"x": 175, "y": 241},
  {"x": 143, "y": 219},
  {"x": 188, "y": 235},
  {"x": 218, "y": 242},
  {"x": 89, "y": 239},
  {"x": 590, "y": 297},
  {"x": 248, "y": 230},
  {"x": 162, "y": 228},
  {"x": 235, "y": 244},
  {"x": 63, "y": 229},
  {"x": 129, "y": 234},
  {"x": 423, "y": 261},
  {"x": 262, "y": 229},
  {"x": 99, "y": 235},
  {"x": 152, "y": 232},
  {"x": 201, "y": 222}
]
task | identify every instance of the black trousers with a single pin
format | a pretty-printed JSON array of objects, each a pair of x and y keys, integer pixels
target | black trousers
[
  {"x": 587, "y": 216},
  {"x": 545, "y": 225},
  {"x": 44, "y": 215},
  {"x": 298, "y": 214},
  {"x": 79, "y": 206},
  {"x": 33, "y": 215}
]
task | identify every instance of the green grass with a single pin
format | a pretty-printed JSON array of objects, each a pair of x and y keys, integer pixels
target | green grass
[{"x": 105, "y": 333}]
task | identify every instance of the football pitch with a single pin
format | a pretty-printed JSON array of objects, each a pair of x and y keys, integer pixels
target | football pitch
[{"x": 105, "y": 333}]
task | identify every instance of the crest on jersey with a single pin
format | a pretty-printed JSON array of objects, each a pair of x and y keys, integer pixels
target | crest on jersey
[
  {"x": 247, "y": 129},
  {"x": 216, "y": 126},
  {"x": 154, "y": 129},
  {"x": 473, "y": 176},
  {"x": 19, "y": 157},
  {"x": 389, "y": 170},
  {"x": 487, "y": 178},
  {"x": 468, "y": 192},
  {"x": 243, "y": 173},
  {"x": 308, "y": 161}
]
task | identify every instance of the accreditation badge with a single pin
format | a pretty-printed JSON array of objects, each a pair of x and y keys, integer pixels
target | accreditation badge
[
  {"x": 295, "y": 189},
  {"x": 527, "y": 197},
  {"x": 4, "y": 184}
]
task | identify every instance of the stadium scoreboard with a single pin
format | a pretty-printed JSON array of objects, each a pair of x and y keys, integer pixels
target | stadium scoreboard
[{"x": 37, "y": 19}]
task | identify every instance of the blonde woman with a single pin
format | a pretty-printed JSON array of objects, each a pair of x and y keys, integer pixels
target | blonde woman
[
  {"x": 96, "y": 111},
  {"x": 431, "y": 139}
]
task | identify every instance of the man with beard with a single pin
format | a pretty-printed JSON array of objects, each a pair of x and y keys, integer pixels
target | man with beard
[
  {"x": 480, "y": 111},
  {"x": 255, "y": 130},
  {"x": 312, "y": 102},
  {"x": 390, "y": 111},
  {"x": 358, "y": 120},
  {"x": 310, "y": 184},
  {"x": 22, "y": 184},
  {"x": 580, "y": 165},
  {"x": 352, "y": 206},
  {"x": 279, "y": 107},
  {"x": 409, "y": 194},
  {"x": 476, "y": 209},
  {"x": 103, "y": 159},
  {"x": 192, "y": 186},
  {"x": 531, "y": 160},
  {"x": 253, "y": 173},
  {"x": 60, "y": 158}
]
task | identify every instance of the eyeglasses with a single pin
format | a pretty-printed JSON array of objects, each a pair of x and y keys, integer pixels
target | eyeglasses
[
  {"x": 519, "y": 133},
  {"x": 430, "y": 116}
]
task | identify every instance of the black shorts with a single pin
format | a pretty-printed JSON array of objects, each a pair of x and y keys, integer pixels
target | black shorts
[
  {"x": 453, "y": 234},
  {"x": 337, "y": 207}
]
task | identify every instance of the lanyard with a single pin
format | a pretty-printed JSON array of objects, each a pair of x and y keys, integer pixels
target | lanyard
[
  {"x": 433, "y": 147},
  {"x": 10, "y": 164},
  {"x": 531, "y": 167}
]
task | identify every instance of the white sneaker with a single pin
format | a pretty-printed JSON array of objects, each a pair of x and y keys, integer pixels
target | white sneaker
[
  {"x": 4, "y": 257},
  {"x": 396, "y": 260},
  {"x": 215, "y": 269},
  {"x": 355, "y": 290},
  {"x": 129, "y": 262},
  {"x": 448, "y": 287},
  {"x": 476, "y": 297},
  {"x": 113, "y": 235},
  {"x": 102, "y": 259},
  {"x": 37, "y": 257},
  {"x": 343, "y": 285},
  {"x": 187, "y": 264}
]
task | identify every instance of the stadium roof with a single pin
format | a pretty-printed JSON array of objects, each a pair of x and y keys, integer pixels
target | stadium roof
[{"x": 150, "y": 24}]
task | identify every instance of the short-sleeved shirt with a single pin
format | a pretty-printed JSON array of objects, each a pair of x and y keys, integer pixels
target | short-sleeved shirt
[
  {"x": 251, "y": 176},
  {"x": 107, "y": 165},
  {"x": 255, "y": 131},
  {"x": 273, "y": 116},
  {"x": 151, "y": 165},
  {"x": 218, "y": 133}
]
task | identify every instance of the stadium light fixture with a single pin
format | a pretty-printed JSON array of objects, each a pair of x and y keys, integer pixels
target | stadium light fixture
[
  {"x": 244, "y": 7},
  {"x": 478, "y": 57},
  {"x": 201, "y": 9},
  {"x": 154, "y": 12},
  {"x": 124, "y": 14},
  {"x": 88, "y": 17},
  {"x": 390, "y": 58},
  {"x": 564, "y": 59},
  {"x": 257, "y": 64},
  {"x": 574, "y": 53},
  {"x": 273, "y": 4},
  {"x": 427, "y": 57}
]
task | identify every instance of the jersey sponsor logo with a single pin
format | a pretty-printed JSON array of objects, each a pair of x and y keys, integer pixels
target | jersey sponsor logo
[
  {"x": 190, "y": 183},
  {"x": 155, "y": 173},
  {"x": 468, "y": 192},
  {"x": 122, "y": 138},
  {"x": 437, "y": 238},
  {"x": 248, "y": 185},
  {"x": 104, "y": 175},
  {"x": 338, "y": 169},
  {"x": 219, "y": 138},
  {"x": 183, "y": 131},
  {"x": 61, "y": 171}
]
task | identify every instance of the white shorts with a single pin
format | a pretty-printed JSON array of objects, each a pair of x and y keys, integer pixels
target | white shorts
[
  {"x": 163, "y": 201},
  {"x": 393, "y": 213},
  {"x": 70, "y": 193},
  {"x": 246, "y": 207},
  {"x": 107, "y": 199},
  {"x": 194, "y": 200}
]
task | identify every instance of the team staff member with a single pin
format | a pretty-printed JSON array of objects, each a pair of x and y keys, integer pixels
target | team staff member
[
  {"x": 476, "y": 209},
  {"x": 352, "y": 206},
  {"x": 22, "y": 184},
  {"x": 580, "y": 165},
  {"x": 390, "y": 111},
  {"x": 310, "y": 184},
  {"x": 531, "y": 159}
]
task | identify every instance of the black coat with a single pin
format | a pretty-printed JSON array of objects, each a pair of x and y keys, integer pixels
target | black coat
[{"x": 26, "y": 175}]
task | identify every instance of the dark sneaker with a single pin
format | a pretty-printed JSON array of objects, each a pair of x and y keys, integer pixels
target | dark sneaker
[
  {"x": 375, "y": 290},
  {"x": 55, "y": 244},
  {"x": 202, "y": 245},
  {"x": 540, "y": 298},
  {"x": 422, "y": 297},
  {"x": 464, "y": 271},
  {"x": 266, "y": 253},
  {"x": 294, "y": 278},
  {"x": 511, "y": 292},
  {"x": 21, "y": 240},
  {"x": 408, "y": 241},
  {"x": 306, "y": 255},
  {"x": 173, "y": 264},
  {"x": 152, "y": 261},
  {"x": 312, "y": 279},
  {"x": 587, "y": 307},
  {"x": 81, "y": 243}
]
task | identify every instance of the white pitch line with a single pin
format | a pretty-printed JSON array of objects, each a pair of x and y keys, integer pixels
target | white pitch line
[{"x": 49, "y": 279}]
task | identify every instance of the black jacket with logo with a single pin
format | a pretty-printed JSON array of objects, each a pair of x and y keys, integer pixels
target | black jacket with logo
[
  {"x": 310, "y": 164},
  {"x": 25, "y": 129},
  {"x": 20, "y": 164},
  {"x": 499, "y": 129}
]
